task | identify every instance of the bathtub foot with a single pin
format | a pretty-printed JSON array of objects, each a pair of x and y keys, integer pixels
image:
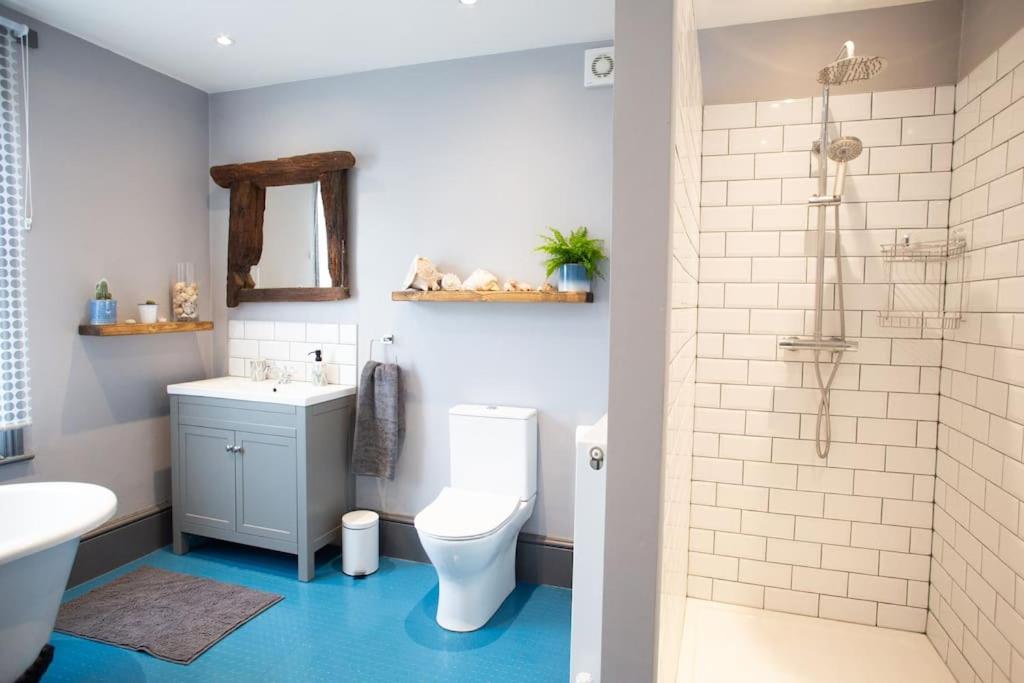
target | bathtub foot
[
  {"x": 34, "y": 674},
  {"x": 181, "y": 543}
]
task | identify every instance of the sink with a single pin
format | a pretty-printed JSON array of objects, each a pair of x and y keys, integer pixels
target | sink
[{"x": 267, "y": 391}]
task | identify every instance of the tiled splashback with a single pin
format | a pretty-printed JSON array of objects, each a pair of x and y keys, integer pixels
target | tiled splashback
[
  {"x": 288, "y": 345},
  {"x": 773, "y": 525}
]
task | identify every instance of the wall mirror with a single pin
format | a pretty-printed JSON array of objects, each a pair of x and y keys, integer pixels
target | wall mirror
[
  {"x": 294, "y": 239},
  {"x": 287, "y": 228}
]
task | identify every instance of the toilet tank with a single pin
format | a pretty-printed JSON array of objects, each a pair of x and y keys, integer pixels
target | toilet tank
[{"x": 494, "y": 449}]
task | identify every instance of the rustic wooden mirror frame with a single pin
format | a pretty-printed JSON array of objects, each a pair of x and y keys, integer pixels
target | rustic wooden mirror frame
[{"x": 248, "y": 184}]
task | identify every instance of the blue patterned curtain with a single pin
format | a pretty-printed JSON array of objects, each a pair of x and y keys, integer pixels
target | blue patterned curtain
[{"x": 15, "y": 405}]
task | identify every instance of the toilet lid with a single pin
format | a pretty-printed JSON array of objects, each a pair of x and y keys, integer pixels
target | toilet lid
[{"x": 457, "y": 514}]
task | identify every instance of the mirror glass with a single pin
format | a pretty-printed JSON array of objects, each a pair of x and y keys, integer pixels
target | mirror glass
[{"x": 294, "y": 239}]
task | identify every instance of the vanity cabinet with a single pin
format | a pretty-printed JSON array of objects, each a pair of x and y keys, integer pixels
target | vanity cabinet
[{"x": 267, "y": 475}]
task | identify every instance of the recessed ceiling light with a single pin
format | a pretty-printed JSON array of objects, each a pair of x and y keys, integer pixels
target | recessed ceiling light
[
  {"x": 467, "y": 2},
  {"x": 224, "y": 40}
]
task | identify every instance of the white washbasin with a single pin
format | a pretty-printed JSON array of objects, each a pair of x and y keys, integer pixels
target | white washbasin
[{"x": 267, "y": 391}]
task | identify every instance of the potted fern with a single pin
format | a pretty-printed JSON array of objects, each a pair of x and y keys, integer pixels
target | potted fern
[{"x": 576, "y": 258}]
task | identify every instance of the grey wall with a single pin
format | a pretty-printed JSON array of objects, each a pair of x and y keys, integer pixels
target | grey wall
[
  {"x": 779, "y": 59},
  {"x": 987, "y": 24},
  {"x": 119, "y": 162},
  {"x": 465, "y": 162},
  {"x": 638, "y": 338}
]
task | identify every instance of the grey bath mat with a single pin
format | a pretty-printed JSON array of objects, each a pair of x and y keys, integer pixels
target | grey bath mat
[{"x": 172, "y": 616}]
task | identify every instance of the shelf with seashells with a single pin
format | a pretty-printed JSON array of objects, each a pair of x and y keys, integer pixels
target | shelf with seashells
[{"x": 425, "y": 282}]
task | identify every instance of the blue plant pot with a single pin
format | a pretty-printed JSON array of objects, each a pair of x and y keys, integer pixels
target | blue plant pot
[
  {"x": 102, "y": 311},
  {"x": 572, "y": 277}
]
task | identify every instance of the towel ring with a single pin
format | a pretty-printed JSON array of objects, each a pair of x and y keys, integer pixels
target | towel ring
[{"x": 386, "y": 340}]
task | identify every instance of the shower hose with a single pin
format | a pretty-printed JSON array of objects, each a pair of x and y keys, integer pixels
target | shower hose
[{"x": 823, "y": 445}]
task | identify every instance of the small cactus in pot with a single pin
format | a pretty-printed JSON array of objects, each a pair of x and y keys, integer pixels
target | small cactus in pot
[
  {"x": 103, "y": 306},
  {"x": 148, "y": 311}
]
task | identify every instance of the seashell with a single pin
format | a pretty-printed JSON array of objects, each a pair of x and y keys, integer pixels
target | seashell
[
  {"x": 422, "y": 275},
  {"x": 451, "y": 282},
  {"x": 130, "y": 321},
  {"x": 516, "y": 286},
  {"x": 546, "y": 288},
  {"x": 161, "y": 320},
  {"x": 481, "y": 281}
]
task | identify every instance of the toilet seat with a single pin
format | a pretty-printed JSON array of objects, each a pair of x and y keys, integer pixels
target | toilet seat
[{"x": 460, "y": 515}]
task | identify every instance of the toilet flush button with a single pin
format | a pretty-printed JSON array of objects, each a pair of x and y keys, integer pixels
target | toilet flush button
[{"x": 596, "y": 458}]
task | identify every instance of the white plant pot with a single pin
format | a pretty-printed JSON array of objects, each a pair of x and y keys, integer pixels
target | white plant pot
[{"x": 148, "y": 313}]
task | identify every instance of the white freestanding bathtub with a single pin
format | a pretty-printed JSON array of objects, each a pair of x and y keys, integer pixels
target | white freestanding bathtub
[{"x": 40, "y": 525}]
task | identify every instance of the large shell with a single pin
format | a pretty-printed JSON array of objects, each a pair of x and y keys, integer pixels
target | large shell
[
  {"x": 451, "y": 282},
  {"x": 422, "y": 275},
  {"x": 481, "y": 281}
]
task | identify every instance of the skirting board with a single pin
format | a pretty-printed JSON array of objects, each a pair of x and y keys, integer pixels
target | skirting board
[
  {"x": 117, "y": 545},
  {"x": 538, "y": 559}
]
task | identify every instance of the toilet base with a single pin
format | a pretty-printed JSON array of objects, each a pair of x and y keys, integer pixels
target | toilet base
[{"x": 467, "y": 603}]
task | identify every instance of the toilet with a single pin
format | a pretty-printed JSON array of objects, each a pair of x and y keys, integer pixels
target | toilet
[{"x": 469, "y": 532}]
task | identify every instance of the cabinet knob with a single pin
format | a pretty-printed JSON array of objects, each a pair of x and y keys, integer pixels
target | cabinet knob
[
  {"x": 239, "y": 450},
  {"x": 229, "y": 448}
]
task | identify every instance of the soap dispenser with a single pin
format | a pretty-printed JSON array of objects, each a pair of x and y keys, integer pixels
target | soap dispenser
[{"x": 319, "y": 375}]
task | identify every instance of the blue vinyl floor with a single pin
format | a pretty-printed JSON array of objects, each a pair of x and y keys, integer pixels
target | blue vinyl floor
[{"x": 336, "y": 628}]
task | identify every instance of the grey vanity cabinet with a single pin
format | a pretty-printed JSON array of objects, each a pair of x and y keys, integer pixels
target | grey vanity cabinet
[
  {"x": 267, "y": 475},
  {"x": 206, "y": 467}
]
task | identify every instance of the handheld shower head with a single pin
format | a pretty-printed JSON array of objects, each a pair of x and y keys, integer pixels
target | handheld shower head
[
  {"x": 841, "y": 151},
  {"x": 846, "y": 148}
]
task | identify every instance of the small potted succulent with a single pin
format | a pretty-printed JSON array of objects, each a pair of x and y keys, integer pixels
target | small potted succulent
[
  {"x": 148, "y": 311},
  {"x": 103, "y": 306},
  {"x": 575, "y": 257}
]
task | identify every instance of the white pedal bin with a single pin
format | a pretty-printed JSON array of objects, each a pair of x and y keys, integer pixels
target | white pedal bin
[{"x": 360, "y": 542}]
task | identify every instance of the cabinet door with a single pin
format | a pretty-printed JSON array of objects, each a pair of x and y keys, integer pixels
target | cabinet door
[
  {"x": 266, "y": 489},
  {"x": 207, "y": 477}
]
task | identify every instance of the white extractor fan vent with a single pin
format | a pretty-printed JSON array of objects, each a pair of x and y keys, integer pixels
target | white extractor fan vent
[{"x": 599, "y": 67}]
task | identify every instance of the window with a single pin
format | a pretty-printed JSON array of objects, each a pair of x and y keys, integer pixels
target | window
[{"x": 15, "y": 212}]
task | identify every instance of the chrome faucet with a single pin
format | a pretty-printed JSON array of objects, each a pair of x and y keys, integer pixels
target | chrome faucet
[{"x": 284, "y": 374}]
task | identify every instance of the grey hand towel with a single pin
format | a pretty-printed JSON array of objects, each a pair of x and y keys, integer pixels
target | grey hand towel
[{"x": 380, "y": 420}]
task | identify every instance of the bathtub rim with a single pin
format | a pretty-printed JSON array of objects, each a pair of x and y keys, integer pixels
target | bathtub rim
[{"x": 96, "y": 505}]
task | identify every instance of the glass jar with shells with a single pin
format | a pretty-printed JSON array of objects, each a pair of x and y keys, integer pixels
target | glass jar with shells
[{"x": 185, "y": 293}]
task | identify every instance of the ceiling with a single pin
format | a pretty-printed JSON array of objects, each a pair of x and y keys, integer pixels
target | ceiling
[
  {"x": 278, "y": 41},
  {"x": 290, "y": 40},
  {"x": 714, "y": 13}
]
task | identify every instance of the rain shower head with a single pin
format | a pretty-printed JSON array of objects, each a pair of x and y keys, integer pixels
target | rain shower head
[
  {"x": 844, "y": 149},
  {"x": 851, "y": 69},
  {"x": 848, "y": 68}
]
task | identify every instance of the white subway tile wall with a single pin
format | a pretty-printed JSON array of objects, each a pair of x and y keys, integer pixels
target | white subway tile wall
[
  {"x": 289, "y": 345},
  {"x": 687, "y": 110},
  {"x": 773, "y": 525},
  {"x": 976, "y": 601}
]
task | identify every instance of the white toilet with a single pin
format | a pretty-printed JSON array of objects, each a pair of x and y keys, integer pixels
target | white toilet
[{"x": 469, "y": 532}]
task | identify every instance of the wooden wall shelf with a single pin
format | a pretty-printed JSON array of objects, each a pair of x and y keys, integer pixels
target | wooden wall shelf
[
  {"x": 125, "y": 329},
  {"x": 494, "y": 297}
]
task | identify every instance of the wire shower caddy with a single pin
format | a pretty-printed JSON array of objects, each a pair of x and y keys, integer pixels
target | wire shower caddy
[{"x": 940, "y": 258}]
